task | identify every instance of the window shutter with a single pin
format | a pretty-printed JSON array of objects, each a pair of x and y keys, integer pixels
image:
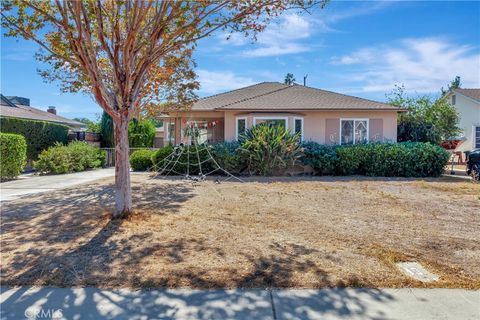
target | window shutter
[
  {"x": 332, "y": 131},
  {"x": 376, "y": 130}
]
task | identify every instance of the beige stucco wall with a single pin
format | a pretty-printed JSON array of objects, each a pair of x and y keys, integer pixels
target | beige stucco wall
[
  {"x": 314, "y": 121},
  {"x": 469, "y": 111}
]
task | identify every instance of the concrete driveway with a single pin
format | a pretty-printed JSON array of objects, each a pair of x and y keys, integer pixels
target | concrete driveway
[
  {"x": 30, "y": 184},
  {"x": 325, "y": 304}
]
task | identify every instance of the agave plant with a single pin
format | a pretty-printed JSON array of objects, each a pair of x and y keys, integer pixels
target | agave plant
[{"x": 267, "y": 148}]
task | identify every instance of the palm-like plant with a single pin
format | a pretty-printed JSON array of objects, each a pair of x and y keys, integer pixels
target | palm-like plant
[{"x": 268, "y": 148}]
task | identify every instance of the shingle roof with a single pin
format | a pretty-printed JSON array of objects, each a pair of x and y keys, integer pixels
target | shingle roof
[
  {"x": 471, "y": 93},
  {"x": 278, "y": 96},
  {"x": 27, "y": 112}
]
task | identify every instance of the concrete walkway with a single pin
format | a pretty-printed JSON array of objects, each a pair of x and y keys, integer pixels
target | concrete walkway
[
  {"x": 92, "y": 303},
  {"x": 30, "y": 184}
]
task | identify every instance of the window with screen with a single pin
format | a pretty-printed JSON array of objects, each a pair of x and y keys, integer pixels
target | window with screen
[
  {"x": 241, "y": 126},
  {"x": 298, "y": 127},
  {"x": 170, "y": 133},
  {"x": 353, "y": 131}
]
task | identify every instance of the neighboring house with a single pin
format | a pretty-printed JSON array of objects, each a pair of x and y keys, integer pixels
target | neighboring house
[
  {"x": 19, "y": 107},
  {"x": 318, "y": 115},
  {"x": 467, "y": 103}
]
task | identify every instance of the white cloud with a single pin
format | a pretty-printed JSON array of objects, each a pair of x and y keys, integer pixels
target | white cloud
[
  {"x": 212, "y": 82},
  {"x": 283, "y": 37},
  {"x": 291, "y": 33},
  {"x": 423, "y": 65},
  {"x": 365, "y": 55},
  {"x": 359, "y": 9}
]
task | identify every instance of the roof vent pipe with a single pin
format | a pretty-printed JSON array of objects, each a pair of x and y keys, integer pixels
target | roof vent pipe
[{"x": 305, "y": 80}]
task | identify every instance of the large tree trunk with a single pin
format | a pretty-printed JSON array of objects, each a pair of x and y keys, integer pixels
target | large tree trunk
[{"x": 123, "y": 192}]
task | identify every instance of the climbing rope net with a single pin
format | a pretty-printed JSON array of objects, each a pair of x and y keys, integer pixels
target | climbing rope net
[{"x": 192, "y": 161}]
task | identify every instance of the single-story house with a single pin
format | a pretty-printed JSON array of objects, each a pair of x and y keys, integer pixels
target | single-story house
[
  {"x": 467, "y": 103},
  {"x": 317, "y": 115},
  {"x": 19, "y": 107}
]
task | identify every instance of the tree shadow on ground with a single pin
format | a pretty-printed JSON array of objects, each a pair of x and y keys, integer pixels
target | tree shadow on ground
[
  {"x": 82, "y": 250},
  {"x": 326, "y": 178},
  {"x": 94, "y": 303},
  {"x": 74, "y": 229}
]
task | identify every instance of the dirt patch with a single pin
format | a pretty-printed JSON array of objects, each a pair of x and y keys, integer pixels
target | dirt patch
[{"x": 282, "y": 232}]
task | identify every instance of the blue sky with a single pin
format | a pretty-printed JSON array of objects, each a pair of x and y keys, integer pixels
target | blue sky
[{"x": 357, "y": 48}]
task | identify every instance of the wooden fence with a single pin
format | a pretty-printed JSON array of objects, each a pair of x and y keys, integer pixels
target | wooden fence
[{"x": 111, "y": 154}]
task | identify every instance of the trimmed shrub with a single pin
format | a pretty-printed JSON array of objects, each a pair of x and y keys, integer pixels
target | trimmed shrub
[
  {"x": 55, "y": 160},
  {"x": 141, "y": 160},
  {"x": 267, "y": 149},
  {"x": 74, "y": 157},
  {"x": 13, "y": 155},
  {"x": 350, "y": 159},
  {"x": 159, "y": 156},
  {"x": 39, "y": 135},
  {"x": 320, "y": 157},
  {"x": 406, "y": 159},
  {"x": 227, "y": 156}
]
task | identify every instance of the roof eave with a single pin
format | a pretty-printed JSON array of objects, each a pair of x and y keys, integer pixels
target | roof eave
[
  {"x": 463, "y": 94},
  {"x": 312, "y": 109}
]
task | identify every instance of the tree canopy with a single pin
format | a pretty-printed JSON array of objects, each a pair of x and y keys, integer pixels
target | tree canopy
[
  {"x": 426, "y": 119},
  {"x": 289, "y": 79},
  {"x": 133, "y": 56},
  {"x": 132, "y": 53},
  {"x": 454, "y": 84}
]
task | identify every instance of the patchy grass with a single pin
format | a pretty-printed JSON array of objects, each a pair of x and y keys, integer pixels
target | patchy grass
[
  {"x": 465, "y": 188},
  {"x": 282, "y": 232}
]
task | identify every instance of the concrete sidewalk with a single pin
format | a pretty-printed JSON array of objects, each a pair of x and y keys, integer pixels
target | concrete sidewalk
[
  {"x": 92, "y": 303},
  {"x": 31, "y": 184}
]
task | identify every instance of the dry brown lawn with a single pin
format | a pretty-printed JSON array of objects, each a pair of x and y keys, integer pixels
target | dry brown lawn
[{"x": 281, "y": 232}]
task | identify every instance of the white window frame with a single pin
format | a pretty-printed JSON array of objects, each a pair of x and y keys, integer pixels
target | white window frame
[
  {"x": 293, "y": 126},
  {"x": 271, "y": 118},
  {"x": 167, "y": 131},
  {"x": 236, "y": 125},
  {"x": 474, "y": 136},
  {"x": 354, "y": 119}
]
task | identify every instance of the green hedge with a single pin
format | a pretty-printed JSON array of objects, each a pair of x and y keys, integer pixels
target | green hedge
[
  {"x": 141, "y": 160},
  {"x": 406, "y": 159},
  {"x": 322, "y": 158},
  {"x": 74, "y": 157},
  {"x": 227, "y": 156},
  {"x": 40, "y": 135},
  {"x": 13, "y": 155}
]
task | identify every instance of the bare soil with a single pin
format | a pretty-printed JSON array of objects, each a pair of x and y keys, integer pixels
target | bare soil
[{"x": 278, "y": 232}]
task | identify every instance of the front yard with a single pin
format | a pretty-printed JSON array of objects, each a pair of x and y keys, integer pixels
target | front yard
[{"x": 282, "y": 232}]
